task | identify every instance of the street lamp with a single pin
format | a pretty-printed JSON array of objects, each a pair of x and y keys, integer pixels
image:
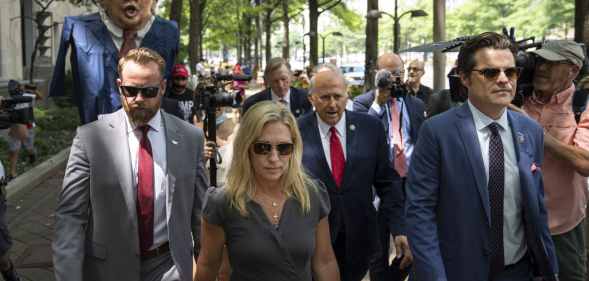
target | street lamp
[
  {"x": 335, "y": 33},
  {"x": 304, "y": 47},
  {"x": 396, "y": 19}
]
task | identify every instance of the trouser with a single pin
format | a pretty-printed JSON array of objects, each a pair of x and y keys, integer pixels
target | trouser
[
  {"x": 571, "y": 254},
  {"x": 349, "y": 270},
  {"x": 159, "y": 268},
  {"x": 520, "y": 271}
]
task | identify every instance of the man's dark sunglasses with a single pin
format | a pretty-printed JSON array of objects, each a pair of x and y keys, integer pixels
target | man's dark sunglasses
[
  {"x": 146, "y": 92},
  {"x": 512, "y": 73},
  {"x": 264, "y": 148}
]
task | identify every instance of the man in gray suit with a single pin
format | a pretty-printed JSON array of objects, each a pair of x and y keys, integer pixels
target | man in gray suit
[{"x": 132, "y": 189}]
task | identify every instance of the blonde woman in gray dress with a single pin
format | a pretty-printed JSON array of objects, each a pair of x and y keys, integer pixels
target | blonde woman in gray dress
[{"x": 270, "y": 215}]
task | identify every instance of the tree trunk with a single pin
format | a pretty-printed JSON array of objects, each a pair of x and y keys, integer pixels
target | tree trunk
[
  {"x": 371, "y": 46},
  {"x": 582, "y": 21},
  {"x": 201, "y": 28},
  {"x": 439, "y": 35},
  {"x": 285, "y": 21},
  {"x": 195, "y": 34},
  {"x": 258, "y": 44},
  {"x": 268, "y": 31},
  {"x": 176, "y": 12},
  {"x": 313, "y": 41}
]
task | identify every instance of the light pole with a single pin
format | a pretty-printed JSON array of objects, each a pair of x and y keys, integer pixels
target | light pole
[
  {"x": 396, "y": 21},
  {"x": 305, "y": 48},
  {"x": 335, "y": 33}
]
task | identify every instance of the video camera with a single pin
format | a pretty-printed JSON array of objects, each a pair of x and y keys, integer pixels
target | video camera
[
  {"x": 394, "y": 83},
  {"x": 17, "y": 108},
  {"x": 209, "y": 95}
]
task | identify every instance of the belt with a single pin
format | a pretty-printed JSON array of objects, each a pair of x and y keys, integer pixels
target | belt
[{"x": 162, "y": 249}]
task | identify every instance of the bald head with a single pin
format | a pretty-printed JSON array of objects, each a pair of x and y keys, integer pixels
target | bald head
[{"x": 390, "y": 61}]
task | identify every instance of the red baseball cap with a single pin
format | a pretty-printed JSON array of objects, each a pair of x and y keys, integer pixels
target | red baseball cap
[{"x": 180, "y": 70}]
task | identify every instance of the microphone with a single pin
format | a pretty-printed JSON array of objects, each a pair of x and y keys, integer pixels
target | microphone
[{"x": 231, "y": 77}]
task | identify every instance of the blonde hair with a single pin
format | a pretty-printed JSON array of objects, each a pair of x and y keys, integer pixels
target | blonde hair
[
  {"x": 240, "y": 185},
  {"x": 143, "y": 56}
]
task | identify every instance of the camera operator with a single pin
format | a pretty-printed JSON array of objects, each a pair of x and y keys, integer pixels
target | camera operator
[
  {"x": 402, "y": 115},
  {"x": 566, "y": 146}
]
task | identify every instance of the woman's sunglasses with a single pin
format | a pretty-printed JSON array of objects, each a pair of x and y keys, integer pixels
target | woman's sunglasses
[
  {"x": 146, "y": 92},
  {"x": 264, "y": 148},
  {"x": 491, "y": 74}
]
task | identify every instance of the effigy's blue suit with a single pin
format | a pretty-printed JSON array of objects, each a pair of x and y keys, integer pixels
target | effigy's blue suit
[{"x": 94, "y": 58}]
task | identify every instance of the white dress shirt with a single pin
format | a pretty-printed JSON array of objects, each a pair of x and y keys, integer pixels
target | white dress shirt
[
  {"x": 513, "y": 229},
  {"x": 116, "y": 33},
  {"x": 286, "y": 98},
  {"x": 157, "y": 138},
  {"x": 325, "y": 135}
]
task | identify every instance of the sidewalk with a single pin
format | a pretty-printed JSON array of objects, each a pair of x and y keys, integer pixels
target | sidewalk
[{"x": 31, "y": 219}]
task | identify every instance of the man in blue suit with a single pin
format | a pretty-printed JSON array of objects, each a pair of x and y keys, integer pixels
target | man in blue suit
[
  {"x": 98, "y": 41},
  {"x": 348, "y": 152},
  {"x": 475, "y": 203},
  {"x": 402, "y": 116},
  {"x": 278, "y": 77}
]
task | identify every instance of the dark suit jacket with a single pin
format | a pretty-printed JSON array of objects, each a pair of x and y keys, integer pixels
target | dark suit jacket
[
  {"x": 367, "y": 165},
  {"x": 94, "y": 61},
  {"x": 299, "y": 103},
  {"x": 448, "y": 220},
  {"x": 414, "y": 106}
]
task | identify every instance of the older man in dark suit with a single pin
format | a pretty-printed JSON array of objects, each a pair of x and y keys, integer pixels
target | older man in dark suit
[
  {"x": 278, "y": 77},
  {"x": 348, "y": 152}
]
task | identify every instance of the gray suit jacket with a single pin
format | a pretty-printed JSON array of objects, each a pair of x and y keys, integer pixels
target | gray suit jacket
[{"x": 96, "y": 236}]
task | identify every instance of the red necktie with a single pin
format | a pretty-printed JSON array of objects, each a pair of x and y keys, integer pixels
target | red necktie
[
  {"x": 145, "y": 191},
  {"x": 399, "y": 154},
  {"x": 128, "y": 42},
  {"x": 337, "y": 157}
]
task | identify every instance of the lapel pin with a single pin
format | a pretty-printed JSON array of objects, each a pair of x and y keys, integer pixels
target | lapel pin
[
  {"x": 298, "y": 111},
  {"x": 520, "y": 138},
  {"x": 352, "y": 127},
  {"x": 174, "y": 142}
]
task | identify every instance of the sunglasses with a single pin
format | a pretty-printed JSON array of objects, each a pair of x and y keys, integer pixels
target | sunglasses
[
  {"x": 512, "y": 73},
  {"x": 146, "y": 92},
  {"x": 264, "y": 148},
  {"x": 414, "y": 69}
]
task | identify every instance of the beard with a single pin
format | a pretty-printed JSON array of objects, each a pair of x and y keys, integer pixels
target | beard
[{"x": 140, "y": 114}]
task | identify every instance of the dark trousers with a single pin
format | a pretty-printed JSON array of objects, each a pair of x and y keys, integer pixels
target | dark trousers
[
  {"x": 350, "y": 269},
  {"x": 380, "y": 262},
  {"x": 570, "y": 251},
  {"x": 520, "y": 271}
]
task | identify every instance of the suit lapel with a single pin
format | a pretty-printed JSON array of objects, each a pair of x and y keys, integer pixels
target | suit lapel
[
  {"x": 468, "y": 134},
  {"x": 152, "y": 36},
  {"x": 316, "y": 145},
  {"x": 350, "y": 146},
  {"x": 122, "y": 164},
  {"x": 102, "y": 37},
  {"x": 173, "y": 140}
]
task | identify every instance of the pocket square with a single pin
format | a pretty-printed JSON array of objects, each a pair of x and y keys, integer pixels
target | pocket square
[{"x": 534, "y": 168}]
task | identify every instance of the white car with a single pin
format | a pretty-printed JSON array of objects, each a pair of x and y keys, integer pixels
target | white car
[{"x": 354, "y": 74}]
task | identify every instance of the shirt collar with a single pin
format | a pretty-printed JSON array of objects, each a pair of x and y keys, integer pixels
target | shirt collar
[
  {"x": 155, "y": 123},
  {"x": 340, "y": 126},
  {"x": 286, "y": 97},
  {"x": 481, "y": 121},
  {"x": 117, "y": 31}
]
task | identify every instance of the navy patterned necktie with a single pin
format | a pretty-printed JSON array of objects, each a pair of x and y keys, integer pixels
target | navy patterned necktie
[{"x": 496, "y": 187}]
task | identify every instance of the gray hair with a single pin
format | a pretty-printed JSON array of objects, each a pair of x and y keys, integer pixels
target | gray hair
[
  {"x": 380, "y": 75},
  {"x": 326, "y": 67}
]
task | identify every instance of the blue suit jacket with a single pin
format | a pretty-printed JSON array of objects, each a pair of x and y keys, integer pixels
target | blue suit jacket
[
  {"x": 94, "y": 61},
  {"x": 414, "y": 105},
  {"x": 299, "y": 103},
  {"x": 366, "y": 165},
  {"x": 448, "y": 221}
]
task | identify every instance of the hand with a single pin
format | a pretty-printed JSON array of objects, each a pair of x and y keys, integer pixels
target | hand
[
  {"x": 209, "y": 150},
  {"x": 402, "y": 250},
  {"x": 382, "y": 95}
]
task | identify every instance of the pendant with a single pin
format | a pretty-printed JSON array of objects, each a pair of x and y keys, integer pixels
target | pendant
[{"x": 274, "y": 204}]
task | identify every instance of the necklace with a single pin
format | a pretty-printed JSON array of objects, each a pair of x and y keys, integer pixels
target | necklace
[{"x": 275, "y": 207}]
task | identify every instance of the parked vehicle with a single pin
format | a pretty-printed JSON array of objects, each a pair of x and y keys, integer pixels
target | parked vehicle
[{"x": 354, "y": 74}]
